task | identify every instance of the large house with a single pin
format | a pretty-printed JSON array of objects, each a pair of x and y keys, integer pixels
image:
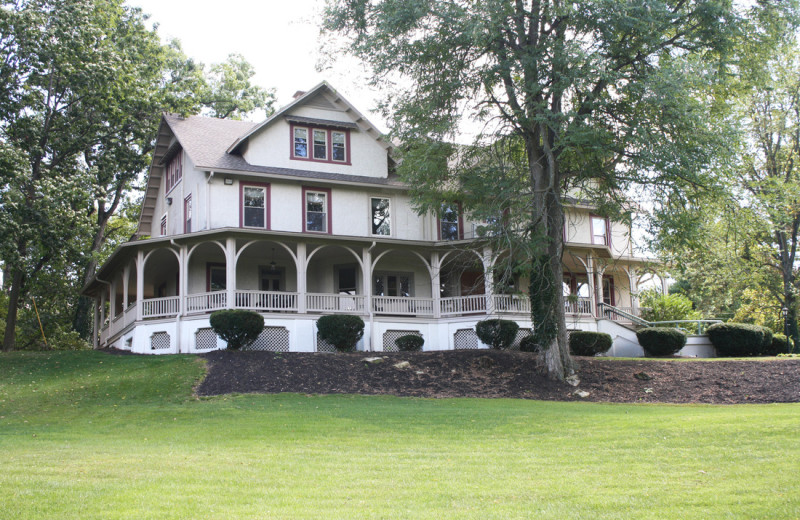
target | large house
[{"x": 301, "y": 216}]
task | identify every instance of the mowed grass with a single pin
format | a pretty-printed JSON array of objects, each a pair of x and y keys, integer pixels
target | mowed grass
[{"x": 88, "y": 435}]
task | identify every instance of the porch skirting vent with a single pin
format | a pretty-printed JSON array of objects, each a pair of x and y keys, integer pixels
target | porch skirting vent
[
  {"x": 465, "y": 339},
  {"x": 159, "y": 341},
  {"x": 273, "y": 339},
  {"x": 390, "y": 336},
  {"x": 521, "y": 334},
  {"x": 205, "y": 339}
]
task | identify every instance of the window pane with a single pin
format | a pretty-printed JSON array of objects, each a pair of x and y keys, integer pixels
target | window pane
[
  {"x": 254, "y": 197},
  {"x": 449, "y": 231},
  {"x": 320, "y": 144},
  {"x": 301, "y": 142},
  {"x": 338, "y": 140},
  {"x": 381, "y": 221},
  {"x": 315, "y": 202},
  {"x": 315, "y": 221},
  {"x": 217, "y": 279},
  {"x": 449, "y": 213},
  {"x": 599, "y": 230},
  {"x": 254, "y": 217}
]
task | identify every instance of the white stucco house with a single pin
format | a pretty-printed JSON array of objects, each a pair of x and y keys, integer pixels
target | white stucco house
[{"x": 301, "y": 216}]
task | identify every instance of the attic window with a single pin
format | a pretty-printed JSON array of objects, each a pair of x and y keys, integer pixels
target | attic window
[
  {"x": 316, "y": 144},
  {"x": 174, "y": 172}
]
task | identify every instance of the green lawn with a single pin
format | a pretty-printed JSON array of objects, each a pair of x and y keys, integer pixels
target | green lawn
[{"x": 89, "y": 435}]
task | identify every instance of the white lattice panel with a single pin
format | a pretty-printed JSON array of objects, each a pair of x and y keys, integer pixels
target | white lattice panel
[
  {"x": 273, "y": 339},
  {"x": 159, "y": 341},
  {"x": 465, "y": 339},
  {"x": 521, "y": 333},
  {"x": 390, "y": 336},
  {"x": 205, "y": 339},
  {"x": 324, "y": 346}
]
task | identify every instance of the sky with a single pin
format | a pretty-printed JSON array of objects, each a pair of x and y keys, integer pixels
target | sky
[{"x": 279, "y": 38}]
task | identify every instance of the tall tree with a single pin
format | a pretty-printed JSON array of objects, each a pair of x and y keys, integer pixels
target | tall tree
[{"x": 594, "y": 90}]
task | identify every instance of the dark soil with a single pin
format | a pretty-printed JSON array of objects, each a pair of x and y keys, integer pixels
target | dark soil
[{"x": 488, "y": 373}]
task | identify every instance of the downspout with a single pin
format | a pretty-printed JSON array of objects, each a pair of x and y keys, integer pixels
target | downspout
[
  {"x": 369, "y": 302},
  {"x": 180, "y": 301}
]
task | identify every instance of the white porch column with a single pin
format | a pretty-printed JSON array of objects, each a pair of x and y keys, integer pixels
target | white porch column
[
  {"x": 125, "y": 282},
  {"x": 302, "y": 282},
  {"x": 436, "y": 284},
  {"x": 366, "y": 275},
  {"x": 95, "y": 324},
  {"x": 103, "y": 297},
  {"x": 183, "y": 278},
  {"x": 230, "y": 272},
  {"x": 488, "y": 279},
  {"x": 591, "y": 280},
  {"x": 139, "y": 284},
  {"x": 598, "y": 285},
  {"x": 634, "y": 290},
  {"x": 112, "y": 299}
]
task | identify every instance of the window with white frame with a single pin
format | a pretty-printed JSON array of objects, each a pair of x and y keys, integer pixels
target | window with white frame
[
  {"x": 381, "y": 216},
  {"x": 187, "y": 214},
  {"x": 164, "y": 225},
  {"x": 255, "y": 205},
  {"x": 338, "y": 146},
  {"x": 600, "y": 231},
  {"x": 449, "y": 225},
  {"x": 316, "y": 211},
  {"x": 300, "y": 143},
  {"x": 173, "y": 172},
  {"x": 320, "y": 144}
]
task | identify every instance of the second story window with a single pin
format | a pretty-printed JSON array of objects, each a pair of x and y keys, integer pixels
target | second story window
[
  {"x": 381, "y": 217},
  {"x": 164, "y": 225},
  {"x": 320, "y": 144},
  {"x": 187, "y": 214},
  {"x": 317, "y": 210},
  {"x": 174, "y": 172},
  {"x": 450, "y": 222},
  {"x": 600, "y": 231},
  {"x": 254, "y": 206}
]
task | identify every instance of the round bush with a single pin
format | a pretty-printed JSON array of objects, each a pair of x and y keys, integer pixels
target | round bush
[
  {"x": 409, "y": 343},
  {"x": 527, "y": 344},
  {"x": 586, "y": 343},
  {"x": 780, "y": 345},
  {"x": 498, "y": 334},
  {"x": 739, "y": 339},
  {"x": 661, "y": 341},
  {"x": 239, "y": 328},
  {"x": 341, "y": 330}
]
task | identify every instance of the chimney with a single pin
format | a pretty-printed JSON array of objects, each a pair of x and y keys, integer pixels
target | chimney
[{"x": 298, "y": 94}]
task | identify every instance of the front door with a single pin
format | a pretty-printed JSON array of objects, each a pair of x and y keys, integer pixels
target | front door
[{"x": 271, "y": 280}]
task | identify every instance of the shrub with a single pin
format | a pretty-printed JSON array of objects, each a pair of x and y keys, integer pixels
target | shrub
[
  {"x": 409, "y": 343},
  {"x": 61, "y": 339},
  {"x": 498, "y": 334},
  {"x": 661, "y": 341},
  {"x": 586, "y": 343},
  {"x": 237, "y": 327},
  {"x": 527, "y": 344},
  {"x": 666, "y": 307},
  {"x": 739, "y": 339},
  {"x": 780, "y": 344},
  {"x": 341, "y": 330}
]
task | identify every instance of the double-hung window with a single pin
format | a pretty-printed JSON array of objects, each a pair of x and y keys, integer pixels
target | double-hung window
[
  {"x": 320, "y": 144},
  {"x": 450, "y": 222},
  {"x": 316, "y": 213},
  {"x": 381, "y": 216},
  {"x": 600, "y": 231},
  {"x": 174, "y": 172},
  {"x": 255, "y": 205}
]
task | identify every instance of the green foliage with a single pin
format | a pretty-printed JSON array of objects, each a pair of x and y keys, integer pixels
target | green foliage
[
  {"x": 237, "y": 327},
  {"x": 661, "y": 341},
  {"x": 528, "y": 344},
  {"x": 498, "y": 334},
  {"x": 341, "y": 330},
  {"x": 780, "y": 344},
  {"x": 759, "y": 307},
  {"x": 66, "y": 340},
  {"x": 231, "y": 94},
  {"x": 739, "y": 339},
  {"x": 409, "y": 343},
  {"x": 666, "y": 307},
  {"x": 587, "y": 343}
]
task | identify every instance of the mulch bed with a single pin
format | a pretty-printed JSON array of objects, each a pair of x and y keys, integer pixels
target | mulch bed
[{"x": 487, "y": 373}]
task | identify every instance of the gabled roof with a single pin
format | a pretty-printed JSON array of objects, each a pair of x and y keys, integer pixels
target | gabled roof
[{"x": 335, "y": 98}]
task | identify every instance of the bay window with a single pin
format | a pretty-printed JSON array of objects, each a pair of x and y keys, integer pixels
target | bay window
[{"x": 600, "y": 231}]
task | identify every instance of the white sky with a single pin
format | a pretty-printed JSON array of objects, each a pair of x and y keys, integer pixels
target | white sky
[{"x": 280, "y": 39}]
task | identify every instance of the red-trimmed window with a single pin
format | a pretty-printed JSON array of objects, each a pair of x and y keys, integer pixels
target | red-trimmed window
[
  {"x": 216, "y": 277},
  {"x": 320, "y": 144},
  {"x": 317, "y": 210},
  {"x": 164, "y": 225},
  {"x": 601, "y": 231},
  {"x": 187, "y": 214},
  {"x": 451, "y": 224},
  {"x": 254, "y": 207},
  {"x": 174, "y": 172}
]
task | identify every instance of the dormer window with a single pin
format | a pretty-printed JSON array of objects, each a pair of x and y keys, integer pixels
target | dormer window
[{"x": 320, "y": 144}]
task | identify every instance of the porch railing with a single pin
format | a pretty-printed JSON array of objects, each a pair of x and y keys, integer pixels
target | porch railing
[
  {"x": 581, "y": 306},
  {"x": 402, "y": 306},
  {"x": 512, "y": 304},
  {"x": 692, "y": 326},
  {"x": 266, "y": 300},
  {"x": 204, "y": 302},
  {"x": 456, "y": 305},
  {"x": 160, "y": 307},
  {"x": 318, "y": 302}
]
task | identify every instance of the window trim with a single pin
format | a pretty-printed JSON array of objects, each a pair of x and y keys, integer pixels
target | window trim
[
  {"x": 460, "y": 223},
  {"x": 328, "y": 144},
  {"x": 329, "y": 219},
  {"x": 607, "y": 226},
  {"x": 372, "y": 216},
  {"x": 267, "y": 204},
  {"x": 187, "y": 222},
  {"x": 177, "y": 178},
  {"x": 164, "y": 224},
  {"x": 209, "y": 267}
]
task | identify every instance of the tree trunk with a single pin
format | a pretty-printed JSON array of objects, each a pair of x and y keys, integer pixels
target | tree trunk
[
  {"x": 80, "y": 321},
  {"x": 9, "y": 340}
]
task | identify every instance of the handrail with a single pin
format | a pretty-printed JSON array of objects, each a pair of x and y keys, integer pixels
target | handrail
[{"x": 604, "y": 307}]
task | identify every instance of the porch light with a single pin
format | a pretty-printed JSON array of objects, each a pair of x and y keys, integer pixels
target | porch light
[
  {"x": 272, "y": 265},
  {"x": 784, "y": 312},
  {"x": 169, "y": 201},
  {"x": 228, "y": 181}
]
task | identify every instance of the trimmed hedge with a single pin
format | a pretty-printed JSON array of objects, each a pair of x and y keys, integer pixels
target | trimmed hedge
[
  {"x": 238, "y": 327},
  {"x": 586, "y": 343},
  {"x": 527, "y": 344},
  {"x": 409, "y": 343},
  {"x": 740, "y": 339},
  {"x": 661, "y": 341},
  {"x": 498, "y": 334},
  {"x": 780, "y": 345},
  {"x": 341, "y": 330}
]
